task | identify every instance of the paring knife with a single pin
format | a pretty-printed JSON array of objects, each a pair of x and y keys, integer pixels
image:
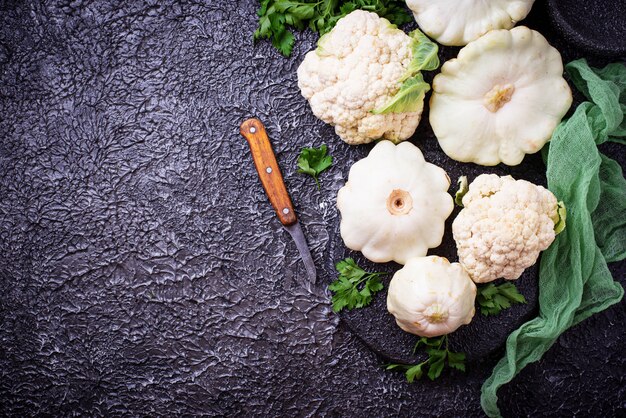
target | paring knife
[{"x": 272, "y": 180}]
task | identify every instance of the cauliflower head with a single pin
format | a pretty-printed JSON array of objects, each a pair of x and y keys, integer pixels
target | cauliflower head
[
  {"x": 364, "y": 78},
  {"x": 504, "y": 225}
]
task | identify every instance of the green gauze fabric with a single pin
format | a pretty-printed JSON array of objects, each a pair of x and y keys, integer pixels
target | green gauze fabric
[{"x": 574, "y": 280}]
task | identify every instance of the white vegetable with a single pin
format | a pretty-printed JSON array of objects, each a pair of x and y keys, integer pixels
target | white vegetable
[
  {"x": 395, "y": 204},
  {"x": 500, "y": 99},
  {"x": 431, "y": 297},
  {"x": 458, "y": 22},
  {"x": 504, "y": 225},
  {"x": 364, "y": 78}
]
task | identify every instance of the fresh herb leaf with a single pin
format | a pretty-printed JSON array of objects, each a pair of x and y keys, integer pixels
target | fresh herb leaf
[
  {"x": 463, "y": 188},
  {"x": 313, "y": 161},
  {"x": 493, "y": 299},
  {"x": 428, "y": 343},
  {"x": 439, "y": 356},
  {"x": 354, "y": 287},
  {"x": 436, "y": 365},
  {"x": 414, "y": 372},
  {"x": 276, "y": 16},
  {"x": 456, "y": 360},
  {"x": 283, "y": 42}
]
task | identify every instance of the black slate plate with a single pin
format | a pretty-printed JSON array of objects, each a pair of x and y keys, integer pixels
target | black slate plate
[
  {"x": 484, "y": 335},
  {"x": 598, "y": 27}
]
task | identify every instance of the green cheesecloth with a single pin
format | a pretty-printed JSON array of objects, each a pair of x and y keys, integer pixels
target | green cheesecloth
[{"x": 574, "y": 280}]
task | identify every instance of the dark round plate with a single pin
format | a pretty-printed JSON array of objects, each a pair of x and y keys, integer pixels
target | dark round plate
[
  {"x": 598, "y": 27},
  {"x": 485, "y": 334}
]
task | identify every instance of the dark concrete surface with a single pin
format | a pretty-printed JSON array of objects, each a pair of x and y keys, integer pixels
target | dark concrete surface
[{"x": 142, "y": 270}]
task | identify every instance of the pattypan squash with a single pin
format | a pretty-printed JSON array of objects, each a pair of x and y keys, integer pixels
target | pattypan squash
[
  {"x": 500, "y": 99},
  {"x": 430, "y": 296},
  {"x": 457, "y": 22},
  {"x": 394, "y": 204}
]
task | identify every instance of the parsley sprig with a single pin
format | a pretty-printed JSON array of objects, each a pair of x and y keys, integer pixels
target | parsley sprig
[
  {"x": 275, "y": 16},
  {"x": 354, "y": 288},
  {"x": 493, "y": 299},
  {"x": 313, "y": 161},
  {"x": 439, "y": 355}
]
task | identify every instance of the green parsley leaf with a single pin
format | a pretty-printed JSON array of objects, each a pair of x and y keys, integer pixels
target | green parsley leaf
[
  {"x": 493, "y": 299},
  {"x": 436, "y": 366},
  {"x": 283, "y": 42},
  {"x": 313, "y": 161},
  {"x": 439, "y": 356},
  {"x": 354, "y": 287},
  {"x": 276, "y": 16},
  {"x": 427, "y": 342},
  {"x": 456, "y": 360},
  {"x": 414, "y": 372}
]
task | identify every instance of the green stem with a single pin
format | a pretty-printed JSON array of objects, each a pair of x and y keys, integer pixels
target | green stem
[{"x": 367, "y": 276}]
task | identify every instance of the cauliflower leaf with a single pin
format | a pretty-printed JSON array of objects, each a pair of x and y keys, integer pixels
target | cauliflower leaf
[
  {"x": 559, "y": 226},
  {"x": 424, "y": 54},
  {"x": 409, "y": 98},
  {"x": 463, "y": 189}
]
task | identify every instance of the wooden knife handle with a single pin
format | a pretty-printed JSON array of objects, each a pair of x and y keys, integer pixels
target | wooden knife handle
[{"x": 267, "y": 167}]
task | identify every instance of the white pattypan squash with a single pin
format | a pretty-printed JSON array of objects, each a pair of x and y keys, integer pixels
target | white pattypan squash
[
  {"x": 500, "y": 99},
  {"x": 395, "y": 204},
  {"x": 431, "y": 297},
  {"x": 458, "y": 22}
]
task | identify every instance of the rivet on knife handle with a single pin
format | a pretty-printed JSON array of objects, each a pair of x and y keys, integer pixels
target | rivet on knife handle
[{"x": 267, "y": 167}]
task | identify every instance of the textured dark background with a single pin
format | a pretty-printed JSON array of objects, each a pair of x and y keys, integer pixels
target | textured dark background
[{"x": 142, "y": 270}]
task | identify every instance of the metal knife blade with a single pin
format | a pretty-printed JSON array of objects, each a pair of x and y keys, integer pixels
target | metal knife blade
[
  {"x": 272, "y": 181},
  {"x": 296, "y": 233}
]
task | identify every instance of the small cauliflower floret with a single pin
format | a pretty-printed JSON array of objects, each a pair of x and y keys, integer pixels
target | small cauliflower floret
[
  {"x": 429, "y": 296},
  {"x": 364, "y": 78},
  {"x": 504, "y": 225}
]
